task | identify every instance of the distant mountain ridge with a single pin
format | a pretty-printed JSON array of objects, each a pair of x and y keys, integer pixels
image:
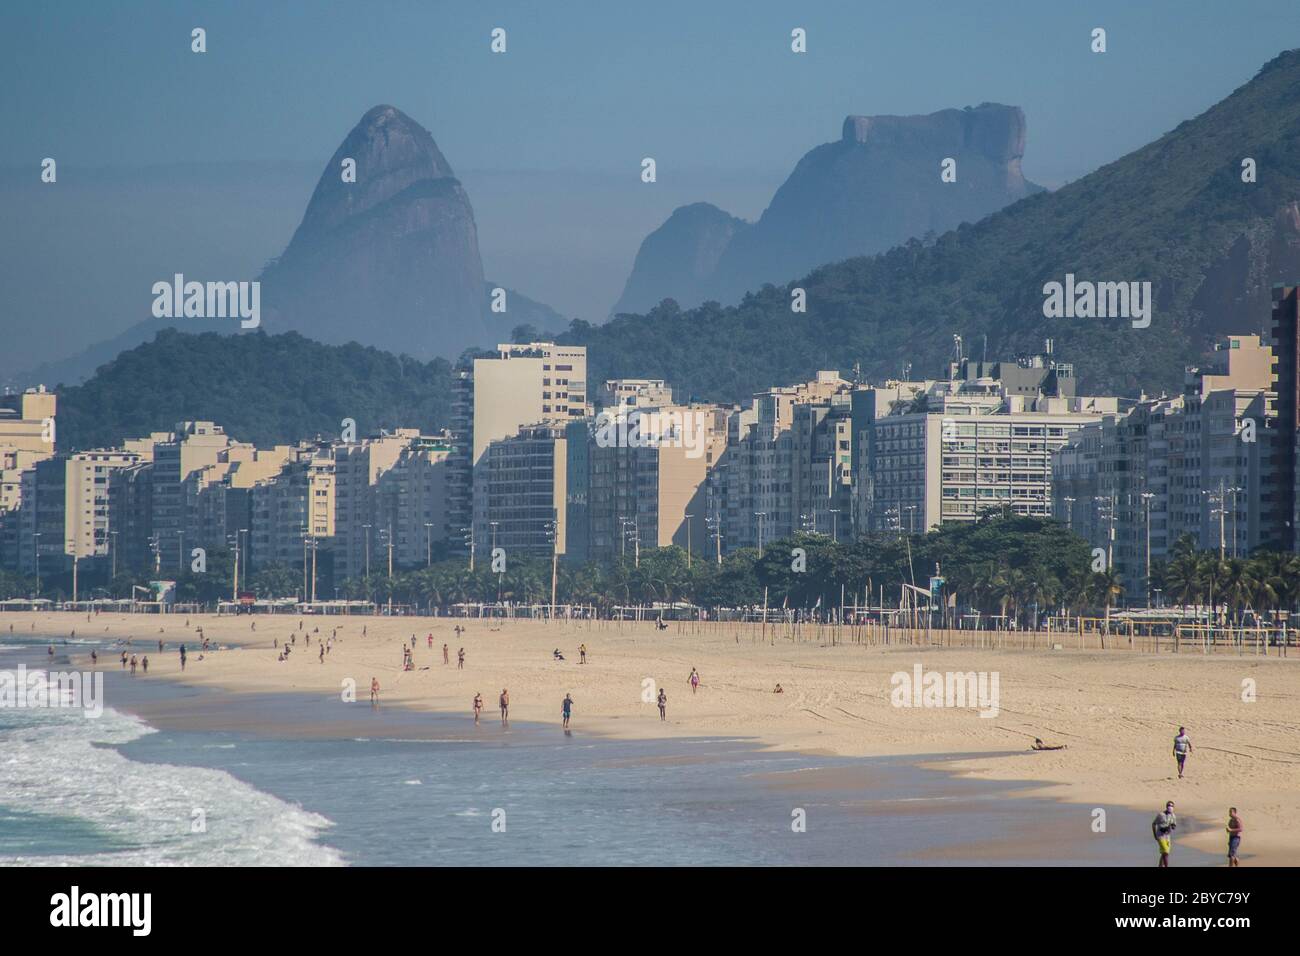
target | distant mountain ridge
[
  {"x": 1175, "y": 213},
  {"x": 875, "y": 187}
]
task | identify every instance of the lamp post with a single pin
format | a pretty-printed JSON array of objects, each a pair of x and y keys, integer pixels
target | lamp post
[
  {"x": 469, "y": 539},
  {"x": 1147, "y": 497},
  {"x": 835, "y": 525},
  {"x": 428, "y": 544},
  {"x": 760, "y": 515},
  {"x": 688, "y": 518},
  {"x": 367, "y": 527},
  {"x": 112, "y": 550},
  {"x": 36, "y": 559},
  {"x": 1235, "y": 491}
]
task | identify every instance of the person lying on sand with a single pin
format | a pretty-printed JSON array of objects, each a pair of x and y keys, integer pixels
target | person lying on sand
[
  {"x": 1039, "y": 745},
  {"x": 778, "y": 689}
]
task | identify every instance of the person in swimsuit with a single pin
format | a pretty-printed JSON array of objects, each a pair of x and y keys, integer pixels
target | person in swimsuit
[
  {"x": 460, "y": 659},
  {"x": 374, "y": 690},
  {"x": 94, "y": 659},
  {"x": 663, "y": 704},
  {"x": 478, "y": 706},
  {"x": 1182, "y": 747},
  {"x": 1039, "y": 745},
  {"x": 1235, "y": 829},
  {"x": 1162, "y": 828},
  {"x": 566, "y": 709},
  {"x": 504, "y": 703},
  {"x": 694, "y": 679},
  {"x": 144, "y": 663},
  {"x": 444, "y": 655},
  {"x": 582, "y": 653}
]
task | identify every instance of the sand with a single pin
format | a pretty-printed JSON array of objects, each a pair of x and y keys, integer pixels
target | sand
[{"x": 1117, "y": 711}]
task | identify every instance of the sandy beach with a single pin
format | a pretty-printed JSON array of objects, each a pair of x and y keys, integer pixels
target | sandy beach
[{"x": 1117, "y": 711}]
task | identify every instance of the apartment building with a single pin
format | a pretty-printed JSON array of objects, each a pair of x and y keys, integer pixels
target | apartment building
[
  {"x": 191, "y": 447},
  {"x": 777, "y": 477},
  {"x": 526, "y": 477},
  {"x": 293, "y": 512},
  {"x": 522, "y": 384},
  {"x": 975, "y": 444},
  {"x": 1193, "y": 465}
]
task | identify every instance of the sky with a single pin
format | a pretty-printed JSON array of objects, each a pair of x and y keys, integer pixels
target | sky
[{"x": 176, "y": 161}]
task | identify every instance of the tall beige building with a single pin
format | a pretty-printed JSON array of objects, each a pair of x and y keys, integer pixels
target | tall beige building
[
  {"x": 648, "y": 478},
  {"x": 192, "y": 446},
  {"x": 293, "y": 512},
  {"x": 534, "y": 383}
]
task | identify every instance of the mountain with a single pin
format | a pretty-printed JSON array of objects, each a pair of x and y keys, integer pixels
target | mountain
[
  {"x": 391, "y": 260},
  {"x": 679, "y": 258},
  {"x": 878, "y": 185},
  {"x": 266, "y": 389},
  {"x": 1175, "y": 213},
  {"x": 392, "y": 257}
]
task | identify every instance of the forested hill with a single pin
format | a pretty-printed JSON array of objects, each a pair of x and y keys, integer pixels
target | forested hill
[
  {"x": 1175, "y": 213},
  {"x": 265, "y": 389}
]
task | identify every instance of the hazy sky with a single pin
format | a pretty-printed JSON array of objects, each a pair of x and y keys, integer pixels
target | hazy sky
[{"x": 170, "y": 160}]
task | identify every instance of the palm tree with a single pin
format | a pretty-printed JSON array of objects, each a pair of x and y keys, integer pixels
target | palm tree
[{"x": 1108, "y": 587}]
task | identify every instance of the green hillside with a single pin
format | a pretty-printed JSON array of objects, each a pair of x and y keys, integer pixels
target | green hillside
[{"x": 264, "y": 389}]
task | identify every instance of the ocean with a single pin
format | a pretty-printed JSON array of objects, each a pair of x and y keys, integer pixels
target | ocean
[{"x": 177, "y": 775}]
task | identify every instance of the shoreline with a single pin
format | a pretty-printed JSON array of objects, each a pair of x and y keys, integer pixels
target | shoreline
[{"x": 836, "y": 702}]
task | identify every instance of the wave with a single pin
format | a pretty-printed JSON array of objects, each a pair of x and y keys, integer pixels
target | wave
[{"x": 56, "y": 766}]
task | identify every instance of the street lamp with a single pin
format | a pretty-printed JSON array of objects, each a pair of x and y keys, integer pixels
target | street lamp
[
  {"x": 1147, "y": 498},
  {"x": 688, "y": 518},
  {"x": 428, "y": 544},
  {"x": 835, "y": 524}
]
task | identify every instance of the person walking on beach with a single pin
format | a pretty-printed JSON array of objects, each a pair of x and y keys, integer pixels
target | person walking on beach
[
  {"x": 1162, "y": 828},
  {"x": 444, "y": 654},
  {"x": 694, "y": 680},
  {"x": 144, "y": 663},
  {"x": 663, "y": 704},
  {"x": 160, "y": 647},
  {"x": 1235, "y": 829},
  {"x": 322, "y": 653},
  {"x": 374, "y": 690},
  {"x": 94, "y": 659},
  {"x": 582, "y": 653},
  {"x": 460, "y": 659},
  {"x": 430, "y": 640},
  {"x": 123, "y": 659},
  {"x": 1182, "y": 747},
  {"x": 182, "y": 657},
  {"x": 133, "y": 665},
  {"x": 478, "y": 706},
  {"x": 504, "y": 703},
  {"x": 566, "y": 709}
]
